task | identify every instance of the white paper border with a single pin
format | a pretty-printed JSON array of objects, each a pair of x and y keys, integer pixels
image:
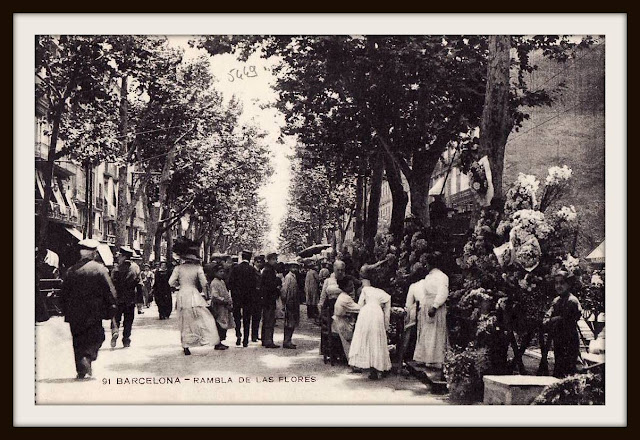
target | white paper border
[{"x": 26, "y": 26}]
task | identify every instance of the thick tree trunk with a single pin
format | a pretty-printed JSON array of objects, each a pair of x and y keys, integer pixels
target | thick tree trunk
[
  {"x": 398, "y": 195},
  {"x": 157, "y": 245},
  {"x": 169, "y": 245},
  {"x": 358, "y": 222},
  {"x": 371, "y": 225},
  {"x": 423, "y": 165},
  {"x": 151, "y": 225},
  {"x": 132, "y": 217},
  {"x": 497, "y": 120},
  {"x": 205, "y": 244},
  {"x": 124, "y": 209}
]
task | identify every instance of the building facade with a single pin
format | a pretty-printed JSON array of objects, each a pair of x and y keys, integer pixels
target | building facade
[{"x": 70, "y": 211}]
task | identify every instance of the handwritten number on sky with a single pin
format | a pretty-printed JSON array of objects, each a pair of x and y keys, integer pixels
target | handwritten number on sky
[{"x": 246, "y": 72}]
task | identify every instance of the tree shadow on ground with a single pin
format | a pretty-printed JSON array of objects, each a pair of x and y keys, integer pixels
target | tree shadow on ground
[
  {"x": 65, "y": 380},
  {"x": 256, "y": 361}
]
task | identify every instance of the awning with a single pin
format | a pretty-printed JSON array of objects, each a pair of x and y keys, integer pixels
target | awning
[
  {"x": 72, "y": 205},
  {"x": 58, "y": 195},
  {"x": 436, "y": 189},
  {"x": 73, "y": 231},
  {"x": 40, "y": 183},
  {"x": 597, "y": 255},
  {"x": 312, "y": 250}
]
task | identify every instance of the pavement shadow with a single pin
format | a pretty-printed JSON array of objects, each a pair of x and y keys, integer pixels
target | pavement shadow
[
  {"x": 65, "y": 380},
  {"x": 256, "y": 361}
]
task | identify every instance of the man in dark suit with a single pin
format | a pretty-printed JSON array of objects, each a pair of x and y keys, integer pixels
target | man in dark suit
[
  {"x": 270, "y": 286},
  {"x": 88, "y": 297},
  {"x": 256, "y": 304},
  {"x": 126, "y": 277},
  {"x": 243, "y": 284}
]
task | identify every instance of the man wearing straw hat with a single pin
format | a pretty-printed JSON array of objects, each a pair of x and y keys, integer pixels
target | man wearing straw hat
[{"x": 88, "y": 297}]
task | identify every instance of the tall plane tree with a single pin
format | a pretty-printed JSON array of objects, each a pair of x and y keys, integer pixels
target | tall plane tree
[{"x": 73, "y": 78}]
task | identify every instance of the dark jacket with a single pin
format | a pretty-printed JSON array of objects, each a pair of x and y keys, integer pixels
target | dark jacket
[
  {"x": 161, "y": 287},
  {"x": 270, "y": 286},
  {"x": 126, "y": 278},
  {"x": 87, "y": 292},
  {"x": 242, "y": 283}
]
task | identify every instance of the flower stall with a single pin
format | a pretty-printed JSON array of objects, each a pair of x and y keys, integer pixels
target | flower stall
[{"x": 508, "y": 265}]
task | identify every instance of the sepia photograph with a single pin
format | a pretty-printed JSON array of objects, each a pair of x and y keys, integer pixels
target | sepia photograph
[{"x": 337, "y": 218}]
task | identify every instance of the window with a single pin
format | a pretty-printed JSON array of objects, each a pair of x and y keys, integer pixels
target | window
[{"x": 105, "y": 193}]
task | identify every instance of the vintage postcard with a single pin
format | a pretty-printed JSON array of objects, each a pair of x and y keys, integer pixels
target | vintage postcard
[{"x": 342, "y": 215}]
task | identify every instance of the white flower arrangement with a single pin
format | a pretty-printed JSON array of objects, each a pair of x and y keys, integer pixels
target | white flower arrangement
[
  {"x": 503, "y": 253},
  {"x": 567, "y": 213},
  {"x": 522, "y": 195},
  {"x": 596, "y": 280},
  {"x": 529, "y": 182},
  {"x": 528, "y": 254},
  {"x": 570, "y": 263},
  {"x": 533, "y": 222},
  {"x": 558, "y": 175}
]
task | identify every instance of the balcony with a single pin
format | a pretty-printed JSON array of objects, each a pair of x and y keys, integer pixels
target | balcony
[
  {"x": 111, "y": 170},
  {"x": 464, "y": 198},
  {"x": 54, "y": 213}
]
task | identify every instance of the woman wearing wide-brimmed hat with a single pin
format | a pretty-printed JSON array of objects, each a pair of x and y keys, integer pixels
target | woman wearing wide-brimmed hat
[{"x": 197, "y": 325}]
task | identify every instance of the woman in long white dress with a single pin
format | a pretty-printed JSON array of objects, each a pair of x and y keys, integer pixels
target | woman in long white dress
[
  {"x": 432, "y": 341},
  {"x": 369, "y": 346},
  {"x": 197, "y": 325}
]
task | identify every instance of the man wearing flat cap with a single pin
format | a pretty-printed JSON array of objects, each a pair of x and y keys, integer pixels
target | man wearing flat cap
[
  {"x": 126, "y": 277},
  {"x": 88, "y": 297}
]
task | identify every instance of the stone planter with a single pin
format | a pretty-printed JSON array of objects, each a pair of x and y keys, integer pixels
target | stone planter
[{"x": 514, "y": 390}]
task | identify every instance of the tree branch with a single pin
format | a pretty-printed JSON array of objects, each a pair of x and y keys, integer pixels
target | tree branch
[
  {"x": 398, "y": 161},
  {"x": 179, "y": 214},
  {"x": 50, "y": 86}
]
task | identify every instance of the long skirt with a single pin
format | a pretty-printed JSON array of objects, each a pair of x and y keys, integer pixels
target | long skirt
[
  {"x": 197, "y": 324},
  {"x": 432, "y": 341},
  {"x": 165, "y": 303},
  {"x": 344, "y": 327},
  {"x": 369, "y": 348},
  {"x": 566, "y": 350}
]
